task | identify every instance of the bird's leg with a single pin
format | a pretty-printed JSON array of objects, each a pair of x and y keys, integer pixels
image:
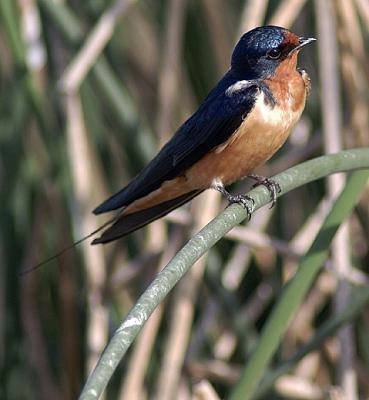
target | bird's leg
[
  {"x": 270, "y": 184},
  {"x": 245, "y": 201}
]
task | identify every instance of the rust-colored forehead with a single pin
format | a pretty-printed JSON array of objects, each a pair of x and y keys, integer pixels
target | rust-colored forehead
[{"x": 290, "y": 39}]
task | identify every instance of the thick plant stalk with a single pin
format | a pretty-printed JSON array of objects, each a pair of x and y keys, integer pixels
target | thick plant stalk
[{"x": 197, "y": 246}]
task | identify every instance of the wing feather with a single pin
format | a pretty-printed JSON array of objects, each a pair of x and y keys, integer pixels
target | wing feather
[{"x": 217, "y": 118}]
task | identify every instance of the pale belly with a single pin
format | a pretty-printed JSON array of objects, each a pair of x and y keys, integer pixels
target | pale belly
[{"x": 262, "y": 133}]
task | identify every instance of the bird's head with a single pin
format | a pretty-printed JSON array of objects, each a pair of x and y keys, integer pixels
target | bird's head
[{"x": 260, "y": 51}]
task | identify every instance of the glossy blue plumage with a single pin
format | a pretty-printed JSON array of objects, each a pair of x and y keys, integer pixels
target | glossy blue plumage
[
  {"x": 249, "y": 56},
  {"x": 216, "y": 119},
  {"x": 213, "y": 124}
]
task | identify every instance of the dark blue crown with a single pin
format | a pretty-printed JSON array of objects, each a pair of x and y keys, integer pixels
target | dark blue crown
[{"x": 255, "y": 44}]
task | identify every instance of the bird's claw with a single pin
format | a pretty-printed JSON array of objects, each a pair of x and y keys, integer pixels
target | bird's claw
[
  {"x": 244, "y": 201},
  {"x": 272, "y": 186}
]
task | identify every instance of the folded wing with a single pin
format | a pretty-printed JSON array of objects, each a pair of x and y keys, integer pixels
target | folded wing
[{"x": 212, "y": 124}]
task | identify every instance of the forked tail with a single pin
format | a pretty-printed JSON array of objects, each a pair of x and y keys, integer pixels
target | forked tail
[
  {"x": 126, "y": 224},
  {"x": 61, "y": 252},
  {"x": 121, "y": 225}
]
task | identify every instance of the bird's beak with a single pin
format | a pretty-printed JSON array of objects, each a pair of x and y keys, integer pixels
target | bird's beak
[{"x": 303, "y": 42}]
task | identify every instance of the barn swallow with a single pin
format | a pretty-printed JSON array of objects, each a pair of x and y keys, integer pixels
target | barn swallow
[{"x": 243, "y": 121}]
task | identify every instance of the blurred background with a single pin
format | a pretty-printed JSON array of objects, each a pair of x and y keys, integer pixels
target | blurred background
[{"x": 89, "y": 90}]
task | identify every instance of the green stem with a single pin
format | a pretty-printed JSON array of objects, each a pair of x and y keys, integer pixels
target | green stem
[
  {"x": 297, "y": 288},
  {"x": 11, "y": 29},
  {"x": 197, "y": 246},
  {"x": 359, "y": 298}
]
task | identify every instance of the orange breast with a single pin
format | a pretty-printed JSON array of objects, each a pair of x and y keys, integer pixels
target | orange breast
[{"x": 262, "y": 133}]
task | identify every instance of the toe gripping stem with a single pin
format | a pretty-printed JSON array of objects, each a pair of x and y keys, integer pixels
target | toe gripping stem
[
  {"x": 272, "y": 186},
  {"x": 245, "y": 201}
]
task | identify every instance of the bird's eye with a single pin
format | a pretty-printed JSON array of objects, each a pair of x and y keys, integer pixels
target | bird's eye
[{"x": 274, "y": 54}]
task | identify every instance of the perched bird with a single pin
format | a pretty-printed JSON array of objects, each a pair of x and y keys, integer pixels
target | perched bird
[{"x": 243, "y": 121}]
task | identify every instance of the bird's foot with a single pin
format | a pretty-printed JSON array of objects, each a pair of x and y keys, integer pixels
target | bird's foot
[
  {"x": 245, "y": 201},
  {"x": 272, "y": 186}
]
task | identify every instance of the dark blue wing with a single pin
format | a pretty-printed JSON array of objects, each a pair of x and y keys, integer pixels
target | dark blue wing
[{"x": 217, "y": 118}]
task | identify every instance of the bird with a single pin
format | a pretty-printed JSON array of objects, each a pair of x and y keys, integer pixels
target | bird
[{"x": 242, "y": 122}]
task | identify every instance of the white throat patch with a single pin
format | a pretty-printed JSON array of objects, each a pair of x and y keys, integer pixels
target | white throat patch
[{"x": 238, "y": 86}]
